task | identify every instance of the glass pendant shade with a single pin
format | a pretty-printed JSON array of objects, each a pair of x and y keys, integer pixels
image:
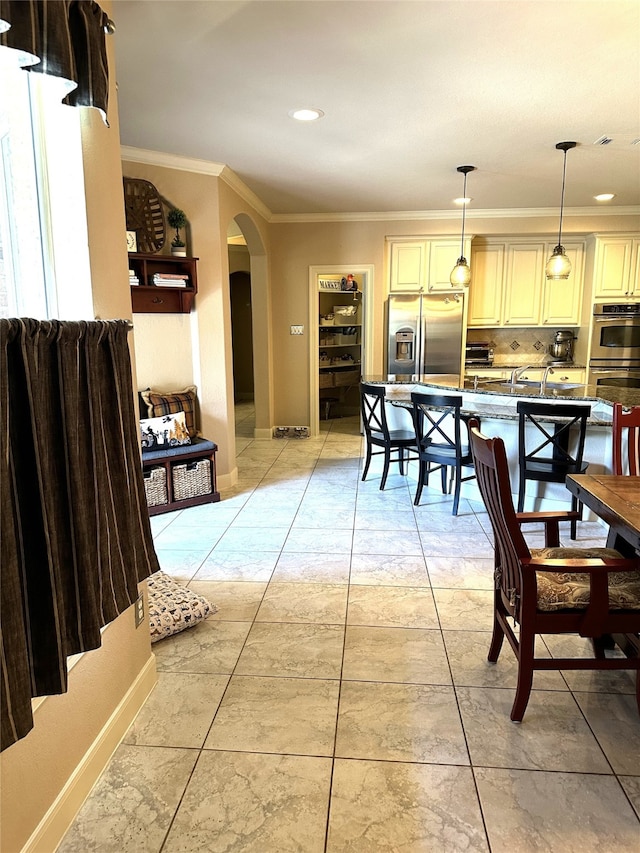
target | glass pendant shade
[
  {"x": 461, "y": 274},
  {"x": 558, "y": 266}
]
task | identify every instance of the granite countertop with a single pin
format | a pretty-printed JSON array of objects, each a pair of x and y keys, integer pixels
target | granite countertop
[
  {"x": 499, "y": 400},
  {"x": 469, "y": 368}
]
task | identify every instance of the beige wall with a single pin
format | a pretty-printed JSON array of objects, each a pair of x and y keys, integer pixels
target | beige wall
[
  {"x": 280, "y": 283},
  {"x": 204, "y": 356},
  {"x": 74, "y": 734},
  {"x": 296, "y": 246}
]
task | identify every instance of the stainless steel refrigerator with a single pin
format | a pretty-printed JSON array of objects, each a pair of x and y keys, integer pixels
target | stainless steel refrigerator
[{"x": 424, "y": 333}]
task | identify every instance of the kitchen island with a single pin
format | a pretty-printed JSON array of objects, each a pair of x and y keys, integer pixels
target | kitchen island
[{"x": 494, "y": 403}]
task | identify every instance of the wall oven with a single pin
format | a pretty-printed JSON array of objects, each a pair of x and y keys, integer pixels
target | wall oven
[
  {"x": 615, "y": 335},
  {"x": 615, "y": 345}
]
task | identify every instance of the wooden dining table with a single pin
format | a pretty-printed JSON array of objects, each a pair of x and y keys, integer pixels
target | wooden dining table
[{"x": 616, "y": 500}]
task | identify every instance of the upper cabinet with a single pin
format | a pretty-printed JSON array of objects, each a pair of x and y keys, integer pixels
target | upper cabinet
[
  {"x": 508, "y": 285},
  {"x": 424, "y": 264},
  {"x": 524, "y": 272},
  {"x": 617, "y": 267}
]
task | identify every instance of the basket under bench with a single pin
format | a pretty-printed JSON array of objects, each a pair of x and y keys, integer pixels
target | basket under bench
[{"x": 181, "y": 476}]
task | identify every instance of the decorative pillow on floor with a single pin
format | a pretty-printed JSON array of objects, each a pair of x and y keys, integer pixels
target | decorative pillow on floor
[{"x": 173, "y": 607}]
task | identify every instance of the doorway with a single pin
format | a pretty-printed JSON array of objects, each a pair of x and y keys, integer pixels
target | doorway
[{"x": 242, "y": 355}]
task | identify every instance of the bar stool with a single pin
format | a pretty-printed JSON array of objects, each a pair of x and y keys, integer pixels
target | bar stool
[
  {"x": 550, "y": 460},
  {"x": 436, "y": 417}
]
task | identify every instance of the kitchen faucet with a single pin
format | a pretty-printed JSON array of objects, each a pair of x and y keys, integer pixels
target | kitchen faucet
[
  {"x": 517, "y": 372},
  {"x": 545, "y": 376}
]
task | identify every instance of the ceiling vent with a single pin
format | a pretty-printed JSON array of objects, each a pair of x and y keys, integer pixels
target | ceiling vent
[{"x": 604, "y": 140}]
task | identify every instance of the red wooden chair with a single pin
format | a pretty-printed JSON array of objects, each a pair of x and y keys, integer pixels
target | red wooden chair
[
  {"x": 631, "y": 422},
  {"x": 590, "y": 591}
]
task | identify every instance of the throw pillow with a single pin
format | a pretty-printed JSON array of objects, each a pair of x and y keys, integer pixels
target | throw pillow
[
  {"x": 173, "y": 607},
  {"x": 164, "y": 432},
  {"x": 169, "y": 402}
]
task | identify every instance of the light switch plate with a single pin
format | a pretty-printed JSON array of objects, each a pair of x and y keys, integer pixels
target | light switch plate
[{"x": 297, "y": 330}]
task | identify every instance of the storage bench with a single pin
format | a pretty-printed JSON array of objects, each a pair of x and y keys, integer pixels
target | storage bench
[{"x": 180, "y": 476}]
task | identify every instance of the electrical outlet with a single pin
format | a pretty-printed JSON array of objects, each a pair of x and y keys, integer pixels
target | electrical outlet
[
  {"x": 297, "y": 330},
  {"x": 139, "y": 610}
]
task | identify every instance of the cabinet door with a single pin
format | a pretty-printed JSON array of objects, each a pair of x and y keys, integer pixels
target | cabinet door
[
  {"x": 523, "y": 284},
  {"x": 443, "y": 256},
  {"x": 613, "y": 267},
  {"x": 634, "y": 284},
  {"x": 562, "y": 300},
  {"x": 485, "y": 290},
  {"x": 567, "y": 374},
  {"x": 408, "y": 266}
]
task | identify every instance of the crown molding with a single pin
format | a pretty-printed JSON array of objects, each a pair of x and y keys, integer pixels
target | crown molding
[
  {"x": 200, "y": 167},
  {"x": 219, "y": 170},
  {"x": 410, "y": 215},
  {"x": 171, "y": 161}
]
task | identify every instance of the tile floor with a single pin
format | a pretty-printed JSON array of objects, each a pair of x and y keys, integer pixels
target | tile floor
[{"x": 340, "y": 698}]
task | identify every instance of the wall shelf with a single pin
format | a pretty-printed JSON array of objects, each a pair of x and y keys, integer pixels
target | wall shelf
[{"x": 149, "y": 298}]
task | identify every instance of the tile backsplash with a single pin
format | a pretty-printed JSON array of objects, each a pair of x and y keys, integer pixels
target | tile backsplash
[{"x": 515, "y": 346}]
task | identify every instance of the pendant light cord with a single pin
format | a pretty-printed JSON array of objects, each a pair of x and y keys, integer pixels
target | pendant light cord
[
  {"x": 464, "y": 210},
  {"x": 564, "y": 174}
]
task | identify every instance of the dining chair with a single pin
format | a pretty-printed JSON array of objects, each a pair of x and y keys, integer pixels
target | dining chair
[
  {"x": 396, "y": 445},
  {"x": 626, "y": 462},
  {"x": 544, "y": 446},
  {"x": 438, "y": 426},
  {"x": 593, "y": 592}
]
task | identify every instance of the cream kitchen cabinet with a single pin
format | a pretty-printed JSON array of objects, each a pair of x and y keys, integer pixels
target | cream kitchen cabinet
[
  {"x": 617, "y": 267},
  {"x": 509, "y": 288},
  {"x": 558, "y": 373},
  {"x": 523, "y": 284},
  {"x": 424, "y": 265},
  {"x": 562, "y": 300},
  {"x": 485, "y": 290}
]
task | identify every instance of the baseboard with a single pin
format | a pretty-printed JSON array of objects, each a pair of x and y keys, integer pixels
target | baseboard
[
  {"x": 227, "y": 481},
  {"x": 53, "y": 826},
  {"x": 263, "y": 433}
]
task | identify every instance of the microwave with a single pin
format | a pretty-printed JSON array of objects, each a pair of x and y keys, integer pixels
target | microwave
[{"x": 480, "y": 354}]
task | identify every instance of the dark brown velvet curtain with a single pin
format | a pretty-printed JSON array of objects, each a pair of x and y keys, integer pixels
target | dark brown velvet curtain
[
  {"x": 65, "y": 38},
  {"x": 75, "y": 539}
]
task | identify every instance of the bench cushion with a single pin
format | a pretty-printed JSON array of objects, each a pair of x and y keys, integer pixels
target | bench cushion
[{"x": 198, "y": 445}]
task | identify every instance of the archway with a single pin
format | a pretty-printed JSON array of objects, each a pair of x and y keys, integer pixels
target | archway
[{"x": 256, "y": 319}]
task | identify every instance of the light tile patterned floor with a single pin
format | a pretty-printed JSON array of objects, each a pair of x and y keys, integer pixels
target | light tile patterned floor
[{"x": 340, "y": 699}]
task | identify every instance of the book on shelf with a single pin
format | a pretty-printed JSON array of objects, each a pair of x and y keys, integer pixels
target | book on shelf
[
  {"x": 172, "y": 275},
  {"x": 169, "y": 280}
]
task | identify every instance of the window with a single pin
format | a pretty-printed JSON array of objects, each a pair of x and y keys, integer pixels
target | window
[{"x": 44, "y": 259}]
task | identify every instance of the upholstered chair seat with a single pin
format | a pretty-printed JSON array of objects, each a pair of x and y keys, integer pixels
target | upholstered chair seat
[{"x": 571, "y": 591}]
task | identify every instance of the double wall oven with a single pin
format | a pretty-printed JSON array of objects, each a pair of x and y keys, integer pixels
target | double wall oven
[{"x": 615, "y": 345}]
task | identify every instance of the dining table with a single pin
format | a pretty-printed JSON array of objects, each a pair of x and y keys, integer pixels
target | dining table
[{"x": 616, "y": 500}]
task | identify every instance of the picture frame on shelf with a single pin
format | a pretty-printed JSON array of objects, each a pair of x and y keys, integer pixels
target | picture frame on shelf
[{"x": 132, "y": 241}]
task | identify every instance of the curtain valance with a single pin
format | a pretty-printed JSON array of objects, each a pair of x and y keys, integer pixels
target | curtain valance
[
  {"x": 75, "y": 533},
  {"x": 62, "y": 38}
]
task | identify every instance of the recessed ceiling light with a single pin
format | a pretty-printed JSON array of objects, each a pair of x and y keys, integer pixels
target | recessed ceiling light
[
  {"x": 604, "y": 196},
  {"x": 306, "y": 114},
  {"x": 462, "y": 200}
]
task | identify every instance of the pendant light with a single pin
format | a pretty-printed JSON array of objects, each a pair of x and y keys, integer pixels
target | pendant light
[
  {"x": 461, "y": 274},
  {"x": 559, "y": 266}
]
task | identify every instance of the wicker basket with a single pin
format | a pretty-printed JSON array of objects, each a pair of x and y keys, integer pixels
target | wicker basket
[
  {"x": 155, "y": 486},
  {"x": 325, "y": 379},
  {"x": 191, "y": 479},
  {"x": 346, "y": 377}
]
